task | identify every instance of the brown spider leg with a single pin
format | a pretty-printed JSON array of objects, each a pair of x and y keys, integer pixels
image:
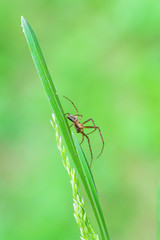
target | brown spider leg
[
  {"x": 80, "y": 116},
  {"x": 89, "y": 147},
  {"x": 82, "y": 139},
  {"x": 73, "y": 105},
  {"x": 92, "y": 131},
  {"x": 90, "y": 119},
  {"x": 71, "y": 125},
  {"x": 95, "y": 128}
]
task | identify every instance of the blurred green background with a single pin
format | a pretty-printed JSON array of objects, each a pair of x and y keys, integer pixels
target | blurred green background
[{"x": 105, "y": 56}]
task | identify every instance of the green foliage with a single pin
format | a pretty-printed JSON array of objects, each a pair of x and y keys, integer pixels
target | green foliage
[
  {"x": 62, "y": 123},
  {"x": 86, "y": 229}
]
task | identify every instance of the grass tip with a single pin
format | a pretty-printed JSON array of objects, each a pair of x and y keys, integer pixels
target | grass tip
[{"x": 22, "y": 20}]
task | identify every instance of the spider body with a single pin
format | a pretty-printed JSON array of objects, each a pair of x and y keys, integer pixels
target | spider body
[
  {"x": 77, "y": 125},
  {"x": 80, "y": 128}
]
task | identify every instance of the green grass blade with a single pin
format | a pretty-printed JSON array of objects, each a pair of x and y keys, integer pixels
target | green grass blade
[
  {"x": 80, "y": 214},
  {"x": 49, "y": 87},
  {"x": 91, "y": 182},
  {"x": 61, "y": 119}
]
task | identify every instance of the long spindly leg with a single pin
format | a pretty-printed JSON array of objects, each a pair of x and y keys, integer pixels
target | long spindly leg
[
  {"x": 89, "y": 147},
  {"x": 73, "y": 105},
  {"x": 95, "y": 128},
  {"x": 82, "y": 139},
  {"x": 92, "y": 131},
  {"x": 79, "y": 115},
  {"x": 90, "y": 119}
]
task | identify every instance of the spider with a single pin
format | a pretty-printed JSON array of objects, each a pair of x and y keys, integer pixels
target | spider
[{"x": 80, "y": 128}]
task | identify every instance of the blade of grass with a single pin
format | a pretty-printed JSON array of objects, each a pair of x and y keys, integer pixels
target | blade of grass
[
  {"x": 90, "y": 181},
  {"x": 86, "y": 230},
  {"x": 62, "y": 122}
]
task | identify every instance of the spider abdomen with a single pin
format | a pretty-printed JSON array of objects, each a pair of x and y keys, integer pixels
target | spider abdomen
[{"x": 78, "y": 127}]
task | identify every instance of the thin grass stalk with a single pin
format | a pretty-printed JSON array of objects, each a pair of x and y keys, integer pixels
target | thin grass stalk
[{"x": 86, "y": 230}]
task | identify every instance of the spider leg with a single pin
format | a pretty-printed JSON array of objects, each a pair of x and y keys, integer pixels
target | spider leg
[
  {"x": 90, "y": 119},
  {"x": 79, "y": 115},
  {"x": 71, "y": 125},
  {"x": 92, "y": 131},
  {"x": 95, "y": 128},
  {"x": 89, "y": 147},
  {"x": 73, "y": 105},
  {"x": 82, "y": 139}
]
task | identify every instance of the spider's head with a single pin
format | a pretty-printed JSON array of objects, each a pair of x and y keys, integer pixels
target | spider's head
[{"x": 72, "y": 118}]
